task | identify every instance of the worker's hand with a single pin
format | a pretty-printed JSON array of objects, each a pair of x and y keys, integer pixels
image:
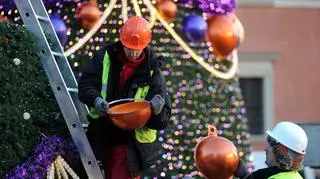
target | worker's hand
[
  {"x": 241, "y": 171},
  {"x": 101, "y": 105},
  {"x": 157, "y": 103}
]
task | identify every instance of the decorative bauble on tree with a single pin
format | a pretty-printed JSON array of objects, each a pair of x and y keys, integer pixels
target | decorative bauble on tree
[
  {"x": 60, "y": 28},
  {"x": 167, "y": 9},
  {"x": 216, "y": 157},
  {"x": 194, "y": 28},
  {"x": 223, "y": 34},
  {"x": 88, "y": 14}
]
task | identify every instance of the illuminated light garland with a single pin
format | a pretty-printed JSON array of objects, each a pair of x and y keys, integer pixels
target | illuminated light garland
[
  {"x": 63, "y": 172},
  {"x": 50, "y": 172},
  {"x": 67, "y": 167},
  {"x": 62, "y": 169},
  {"x": 124, "y": 10},
  {"x": 92, "y": 31},
  {"x": 228, "y": 75},
  {"x": 136, "y": 8},
  {"x": 57, "y": 165},
  {"x": 153, "y": 18}
]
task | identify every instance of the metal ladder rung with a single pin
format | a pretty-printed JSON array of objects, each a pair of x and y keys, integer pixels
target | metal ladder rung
[
  {"x": 43, "y": 18},
  {"x": 57, "y": 54},
  {"x": 75, "y": 90}
]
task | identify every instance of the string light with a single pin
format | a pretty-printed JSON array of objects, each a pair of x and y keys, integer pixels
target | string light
[
  {"x": 124, "y": 10},
  {"x": 136, "y": 8},
  {"x": 59, "y": 168}
]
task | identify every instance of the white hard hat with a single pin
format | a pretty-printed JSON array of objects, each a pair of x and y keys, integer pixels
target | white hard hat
[{"x": 290, "y": 135}]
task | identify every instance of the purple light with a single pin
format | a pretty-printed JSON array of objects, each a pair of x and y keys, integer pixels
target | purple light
[{"x": 217, "y": 6}]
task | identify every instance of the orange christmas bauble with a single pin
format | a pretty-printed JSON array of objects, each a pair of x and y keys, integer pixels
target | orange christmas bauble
[
  {"x": 223, "y": 33},
  {"x": 167, "y": 9},
  {"x": 216, "y": 157},
  {"x": 88, "y": 14}
]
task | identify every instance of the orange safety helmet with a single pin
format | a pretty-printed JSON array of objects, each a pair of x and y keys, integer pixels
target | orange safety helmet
[{"x": 135, "y": 33}]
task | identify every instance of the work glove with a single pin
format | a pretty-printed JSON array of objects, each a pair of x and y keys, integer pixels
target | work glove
[
  {"x": 157, "y": 103},
  {"x": 101, "y": 105},
  {"x": 241, "y": 171}
]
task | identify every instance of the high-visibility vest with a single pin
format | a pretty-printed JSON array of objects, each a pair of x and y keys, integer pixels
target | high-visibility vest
[
  {"x": 143, "y": 134},
  {"x": 287, "y": 175}
]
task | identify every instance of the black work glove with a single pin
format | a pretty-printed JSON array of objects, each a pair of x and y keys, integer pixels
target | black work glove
[
  {"x": 157, "y": 103},
  {"x": 241, "y": 171},
  {"x": 101, "y": 105}
]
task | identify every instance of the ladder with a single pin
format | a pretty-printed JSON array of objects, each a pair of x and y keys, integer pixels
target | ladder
[{"x": 61, "y": 78}]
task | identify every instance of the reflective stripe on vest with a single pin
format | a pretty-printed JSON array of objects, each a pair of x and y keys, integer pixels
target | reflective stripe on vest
[
  {"x": 143, "y": 134},
  {"x": 287, "y": 175},
  {"x": 105, "y": 76}
]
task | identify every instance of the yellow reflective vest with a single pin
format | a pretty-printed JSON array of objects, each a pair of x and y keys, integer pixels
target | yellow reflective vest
[{"x": 287, "y": 175}]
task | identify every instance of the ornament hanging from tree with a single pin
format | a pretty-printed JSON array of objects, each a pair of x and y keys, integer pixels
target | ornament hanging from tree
[
  {"x": 194, "y": 28},
  {"x": 88, "y": 14},
  {"x": 16, "y": 61},
  {"x": 224, "y": 35},
  {"x": 167, "y": 9}
]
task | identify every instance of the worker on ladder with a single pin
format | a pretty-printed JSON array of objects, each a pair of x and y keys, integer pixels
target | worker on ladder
[{"x": 125, "y": 69}]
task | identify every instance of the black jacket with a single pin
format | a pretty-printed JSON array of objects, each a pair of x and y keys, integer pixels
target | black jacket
[{"x": 101, "y": 132}]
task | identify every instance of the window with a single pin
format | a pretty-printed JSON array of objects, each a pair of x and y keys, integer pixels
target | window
[
  {"x": 252, "y": 91},
  {"x": 256, "y": 81}
]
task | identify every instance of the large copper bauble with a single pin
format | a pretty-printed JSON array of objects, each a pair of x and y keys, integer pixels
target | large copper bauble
[
  {"x": 216, "y": 157},
  {"x": 223, "y": 33},
  {"x": 167, "y": 9},
  {"x": 131, "y": 115},
  {"x": 88, "y": 14}
]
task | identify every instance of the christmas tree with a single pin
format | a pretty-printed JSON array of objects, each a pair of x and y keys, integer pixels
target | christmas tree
[
  {"x": 28, "y": 110},
  {"x": 198, "y": 98}
]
